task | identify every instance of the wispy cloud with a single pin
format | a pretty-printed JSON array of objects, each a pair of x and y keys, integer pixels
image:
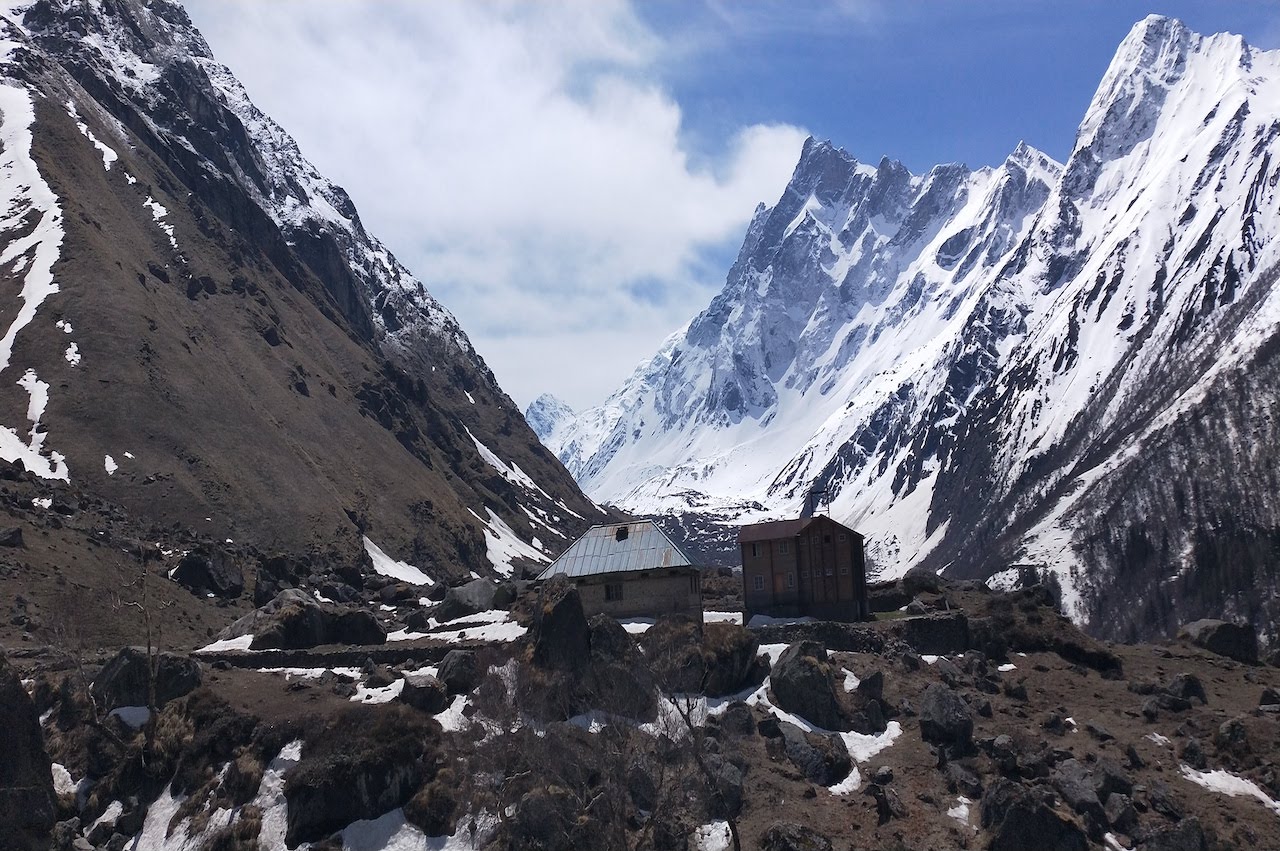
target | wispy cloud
[{"x": 522, "y": 158}]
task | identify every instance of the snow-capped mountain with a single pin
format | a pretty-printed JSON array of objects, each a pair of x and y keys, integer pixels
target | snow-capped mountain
[
  {"x": 208, "y": 335},
  {"x": 547, "y": 415},
  {"x": 1068, "y": 366}
]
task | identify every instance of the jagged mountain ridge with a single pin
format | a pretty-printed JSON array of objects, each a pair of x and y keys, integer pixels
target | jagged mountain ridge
[
  {"x": 985, "y": 368},
  {"x": 251, "y": 361}
]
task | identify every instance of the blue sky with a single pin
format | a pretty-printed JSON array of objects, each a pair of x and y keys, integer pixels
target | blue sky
[{"x": 572, "y": 179}]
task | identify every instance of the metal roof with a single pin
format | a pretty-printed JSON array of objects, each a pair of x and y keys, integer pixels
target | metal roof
[
  {"x": 771, "y": 530},
  {"x": 607, "y": 549}
]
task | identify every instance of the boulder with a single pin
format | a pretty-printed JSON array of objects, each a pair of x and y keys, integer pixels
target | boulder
[
  {"x": 737, "y": 720},
  {"x": 823, "y": 759},
  {"x": 1022, "y": 819},
  {"x": 124, "y": 680},
  {"x": 804, "y": 683},
  {"x": 28, "y": 807},
  {"x": 1075, "y": 783},
  {"x": 617, "y": 680},
  {"x": 424, "y": 693},
  {"x": 1186, "y": 686},
  {"x": 1187, "y": 835},
  {"x": 472, "y": 598},
  {"x": 459, "y": 671},
  {"x": 206, "y": 570},
  {"x": 725, "y": 786},
  {"x": 789, "y": 836},
  {"x": 945, "y": 719},
  {"x": 358, "y": 766},
  {"x": 731, "y": 659},
  {"x": 1235, "y": 641},
  {"x": 921, "y": 579},
  {"x": 294, "y": 620},
  {"x": 11, "y": 537},
  {"x": 561, "y": 636}
]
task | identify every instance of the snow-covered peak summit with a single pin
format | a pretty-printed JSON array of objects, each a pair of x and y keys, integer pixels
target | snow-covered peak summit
[{"x": 546, "y": 415}]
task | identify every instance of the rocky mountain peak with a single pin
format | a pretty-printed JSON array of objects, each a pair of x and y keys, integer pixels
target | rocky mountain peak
[{"x": 546, "y": 415}]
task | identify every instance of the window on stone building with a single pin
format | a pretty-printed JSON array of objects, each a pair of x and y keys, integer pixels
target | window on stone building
[{"x": 613, "y": 591}]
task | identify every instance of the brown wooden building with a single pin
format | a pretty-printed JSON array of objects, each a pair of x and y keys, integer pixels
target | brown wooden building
[{"x": 811, "y": 566}]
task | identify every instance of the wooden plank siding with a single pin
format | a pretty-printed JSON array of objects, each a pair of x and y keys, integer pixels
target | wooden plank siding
[{"x": 819, "y": 571}]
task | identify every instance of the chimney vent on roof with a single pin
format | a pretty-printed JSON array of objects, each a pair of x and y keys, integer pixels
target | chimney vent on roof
[{"x": 621, "y": 534}]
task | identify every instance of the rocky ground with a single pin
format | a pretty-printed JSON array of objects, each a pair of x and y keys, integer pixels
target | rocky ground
[{"x": 971, "y": 719}]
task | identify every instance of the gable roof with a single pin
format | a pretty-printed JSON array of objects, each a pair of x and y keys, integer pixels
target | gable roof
[
  {"x": 772, "y": 530},
  {"x": 599, "y": 550}
]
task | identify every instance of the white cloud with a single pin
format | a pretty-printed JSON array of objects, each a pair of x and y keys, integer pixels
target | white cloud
[{"x": 520, "y": 158}]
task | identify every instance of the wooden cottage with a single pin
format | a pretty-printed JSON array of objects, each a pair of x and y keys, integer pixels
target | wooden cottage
[
  {"x": 811, "y": 566},
  {"x": 630, "y": 570}
]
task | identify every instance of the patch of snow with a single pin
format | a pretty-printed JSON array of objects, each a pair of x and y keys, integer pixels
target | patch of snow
[
  {"x": 1159, "y": 739},
  {"x": 851, "y": 680},
  {"x": 240, "y": 642},
  {"x": 1230, "y": 784},
  {"x": 1007, "y": 667},
  {"x": 310, "y": 673},
  {"x": 960, "y": 812},
  {"x": 496, "y": 632},
  {"x": 765, "y": 620},
  {"x": 158, "y": 212},
  {"x": 452, "y": 718},
  {"x": 722, "y": 617},
  {"x": 382, "y": 694},
  {"x": 63, "y": 783},
  {"x": 637, "y": 626},
  {"x": 72, "y": 354},
  {"x": 132, "y": 716},
  {"x": 714, "y": 836},
  {"x": 29, "y": 206},
  {"x": 129, "y": 455},
  {"x": 1113, "y": 842},
  {"x": 113, "y": 811},
  {"x": 155, "y": 835},
  {"x": 42, "y": 502},
  {"x": 503, "y": 544},
  {"x": 387, "y": 566},
  {"x": 63, "y": 325},
  {"x": 270, "y": 798},
  {"x": 109, "y": 156},
  {"x": 929, "y": 658},
  {"x": 511, "y": 472},
  {"x": 470, "y": 399},
  {"x": 110, "y": 464},
  {"x": 1005, "y": 580}
]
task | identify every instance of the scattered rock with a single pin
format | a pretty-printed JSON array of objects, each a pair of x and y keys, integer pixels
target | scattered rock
[
  {"x": 823, "y": 759},
  {"x": 425, "y": 693},
  {"x": 1234, "y": 641},
  {"x": 804, "y": 683},
  {"x": 295, "y": 620},
  {"x": 472, "y": 598},
  {"x": 124, "y": 680},
  {"x": 788, "y": 836},
  {"x": 1021, "y": 820},
  {"x": 561, "y": 637},
  {"x": 459, "y": 671},
  {"x": 206, "y": 570},
  {"x": 11, "y": 537},
  {"x": 1187, "y": 835},
  {"x": 1187, "y": 686},
  {"x": 945, "y": 719}
]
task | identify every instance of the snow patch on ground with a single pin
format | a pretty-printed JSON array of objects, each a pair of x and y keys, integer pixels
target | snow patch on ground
[
  {"x": 240, "y": 642},
  {"x": 72, "y": 354},
  {"x": 960, "y": 812},
  {"x": 714, "y": 836},
  {"x": 511, "y": 472},
  {"x": 158, "y": 212},
  {"x": 503, "y": 544},
  {"x": 387, "y": 566},
  {"x": 382, "y": 694},
  {"x": 499, "y": 630},
  {"x": 270, "y": 798},
  {"x": 1230, "y": 784},
  {"x": 24, "y": 197},
  {"x": 109, "y": 155},
  {"x": 110, "y": 464},
  {"x": 132, "y": 716},
  {"x": 42, "y": 502},
  {"x": 63, "y": 783}
]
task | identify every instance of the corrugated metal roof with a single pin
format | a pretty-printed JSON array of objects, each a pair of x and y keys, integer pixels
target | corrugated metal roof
[{"x": 599, "y": 550}]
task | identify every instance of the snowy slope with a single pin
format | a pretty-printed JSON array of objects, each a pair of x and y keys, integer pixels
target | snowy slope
[{"x": 960, "y": 358}]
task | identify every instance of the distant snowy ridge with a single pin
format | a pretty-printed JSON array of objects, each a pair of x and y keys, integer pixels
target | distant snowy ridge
[{"x": 969, "y": 362}]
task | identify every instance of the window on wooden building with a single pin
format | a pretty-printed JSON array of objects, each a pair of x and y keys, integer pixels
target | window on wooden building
[
  {"x": 844, "y": 570},
  {"x": 791, "y": 580},
  {"x": 783, "y": 547},
  {"x": 755, "y": 551},
  {"x": 829, "y": 571},
  {"x": 613, "y": 591},
  {"x": 804, "y": 573},
  {"x": 759, "y": 583},
  {"x": 843, "y": 537}
]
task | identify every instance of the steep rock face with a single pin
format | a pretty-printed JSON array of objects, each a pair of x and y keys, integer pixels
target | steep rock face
[
  {"x": 208, "y": 334},
  {"x": 1069, "y": 367}
]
